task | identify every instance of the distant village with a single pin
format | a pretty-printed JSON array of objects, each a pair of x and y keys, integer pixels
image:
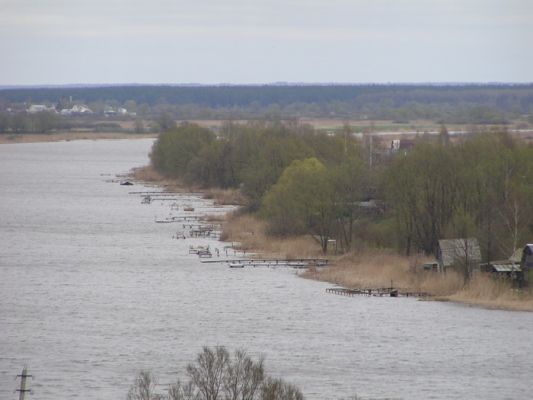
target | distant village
[{"x": 77, "y": 110}]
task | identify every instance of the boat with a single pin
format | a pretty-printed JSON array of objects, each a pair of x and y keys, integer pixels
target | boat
[
  {"x": 235, "y": 265},
  {"x": 188, "y": 208}
]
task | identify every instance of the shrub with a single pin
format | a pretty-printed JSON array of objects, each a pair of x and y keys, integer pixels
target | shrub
[{"x": 217, "y": 375}]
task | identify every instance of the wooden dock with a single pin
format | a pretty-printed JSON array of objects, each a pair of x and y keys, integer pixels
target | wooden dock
[
  {"x": 265, "y": 262},
  {"x": 379, "y": 292}
]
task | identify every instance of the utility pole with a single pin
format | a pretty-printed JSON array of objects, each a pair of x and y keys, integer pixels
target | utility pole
[
  {"x": 23, "y": 377},
  {"x": 371, "y": 149}
]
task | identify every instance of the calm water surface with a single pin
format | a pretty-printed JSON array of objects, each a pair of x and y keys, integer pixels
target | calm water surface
[{"x": 92, "y": 291}]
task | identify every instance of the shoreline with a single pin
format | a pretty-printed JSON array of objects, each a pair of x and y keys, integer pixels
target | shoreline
[
  {"x": 370, "y": 268},
  {"x": 69, "y": 136}
]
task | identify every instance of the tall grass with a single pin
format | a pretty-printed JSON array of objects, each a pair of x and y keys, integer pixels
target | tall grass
[
  {"x": 250, "y": 232},
  {"x": 226, "y": 196},
  {"x": 379, "y": 268},
  {"x": 494, "y": 293}
]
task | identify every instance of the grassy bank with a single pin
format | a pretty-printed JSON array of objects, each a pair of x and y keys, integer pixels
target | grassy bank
[
  {"x": 368, "y": 268},
  {"x": 149, "y": 175},
  {"x": 377, "y": 268},
  {"x": 250, "y": 232}
]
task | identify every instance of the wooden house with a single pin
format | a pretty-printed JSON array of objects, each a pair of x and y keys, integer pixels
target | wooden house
[{"x": 461, "y": 253}]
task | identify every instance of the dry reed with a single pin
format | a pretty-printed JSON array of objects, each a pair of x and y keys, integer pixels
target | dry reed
[
  {"x": 372, "y": 269},
  {"x": 225, "y": 196},
  {"x": 488, "y": 292},
  {"x": 369, "y": 268},
  {"x": 249, "y": 231},
  {"x": 148, "y": 174}
]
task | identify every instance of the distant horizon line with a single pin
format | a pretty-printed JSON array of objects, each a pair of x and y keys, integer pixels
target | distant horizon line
[{"x": 272, "y": 84}]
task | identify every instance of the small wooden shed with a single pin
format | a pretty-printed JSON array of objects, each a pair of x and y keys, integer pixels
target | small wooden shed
[{"x": 463, "y": 252}]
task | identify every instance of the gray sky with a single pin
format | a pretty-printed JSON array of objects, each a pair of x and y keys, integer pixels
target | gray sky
[{"x": 234, "y": 41}]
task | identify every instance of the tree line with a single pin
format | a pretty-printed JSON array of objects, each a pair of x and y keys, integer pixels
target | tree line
[
  {"x": 482, "y": 187},
  {"x": 305, "y": 182},
  {"x": 23, "y": 122},
  {"x": 491, "y": 103}
]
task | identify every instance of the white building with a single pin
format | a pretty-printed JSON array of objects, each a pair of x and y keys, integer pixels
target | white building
[{"x": 37, "y": 108}]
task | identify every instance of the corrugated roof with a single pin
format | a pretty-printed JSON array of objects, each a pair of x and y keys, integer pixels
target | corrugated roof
[
  {"x": 506, "y": 267},
  {"x": 457, "y": 250}
]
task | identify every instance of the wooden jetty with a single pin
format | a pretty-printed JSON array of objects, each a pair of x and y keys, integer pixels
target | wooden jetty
[
  {"x": 180, "y": 218},
  {"x": 379, "y": 292},
  {"x": 265, "y": 262}
]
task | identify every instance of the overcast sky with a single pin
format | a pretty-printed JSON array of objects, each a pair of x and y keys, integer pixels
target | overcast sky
[{"x": 262, "y": 41}]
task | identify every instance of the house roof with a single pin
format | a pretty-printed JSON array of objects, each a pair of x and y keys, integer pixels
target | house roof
[
  {"x": 504, "y": 266},
  {"x": 517, "y": 255},
  {"x": 453, "y": 250}
]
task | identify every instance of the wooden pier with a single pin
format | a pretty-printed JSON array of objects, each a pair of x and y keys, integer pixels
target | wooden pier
[
  {"x": 379, "y": 292},
  {"x": 265, "y": 262}
]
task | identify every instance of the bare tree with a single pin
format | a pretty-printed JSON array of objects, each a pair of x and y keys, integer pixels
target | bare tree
[
  {"x": 143, "y": 388},
  {"x": 243, "y": 377},
  {"x": 217, "y": 375},
  {"x": 277, "y": 389},
  {"x": 207, "y": 374},
  {"x": 180, "y": 391}
]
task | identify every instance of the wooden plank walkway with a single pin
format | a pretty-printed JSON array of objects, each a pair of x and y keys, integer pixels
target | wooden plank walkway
[
  {"x": 380, "y": 292},
  {"x": 292, "y": 262}
]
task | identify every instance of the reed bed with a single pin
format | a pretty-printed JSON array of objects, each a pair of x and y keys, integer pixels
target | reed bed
[
  {"x": 378, "y": 268},
  {"x": 494, "y": 293},
  {"x": 225, "y": 197},
  {"x": 250, "y": 232}
]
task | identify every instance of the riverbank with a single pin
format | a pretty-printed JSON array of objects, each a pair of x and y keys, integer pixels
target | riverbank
[
  {"x": 68, "y": 136},
  {"x": 377, "y": 268},
  {"x": 367, "y": 268}
]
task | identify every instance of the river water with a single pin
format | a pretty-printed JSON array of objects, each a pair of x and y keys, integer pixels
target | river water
[{"x": 92, "y": 291}]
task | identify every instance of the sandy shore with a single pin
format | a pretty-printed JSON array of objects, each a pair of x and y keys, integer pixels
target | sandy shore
[{"x": 67, "y": 136}]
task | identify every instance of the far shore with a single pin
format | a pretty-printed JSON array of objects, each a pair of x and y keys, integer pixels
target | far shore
[{"x": 68, "y": 136}]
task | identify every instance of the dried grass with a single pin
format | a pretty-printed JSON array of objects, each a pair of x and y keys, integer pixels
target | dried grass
[
  {"x": 485, "y": 291},
  {"x": 148, "y": 174},
  {"x": 372, "y": 269},
  {"x": 249, "y": 231},
  {"x": 226, "y": 196},
  {"x": 364, "y": 270}
]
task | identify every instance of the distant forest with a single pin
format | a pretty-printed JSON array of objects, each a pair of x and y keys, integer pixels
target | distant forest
[{"x": 481, "y": 104}]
